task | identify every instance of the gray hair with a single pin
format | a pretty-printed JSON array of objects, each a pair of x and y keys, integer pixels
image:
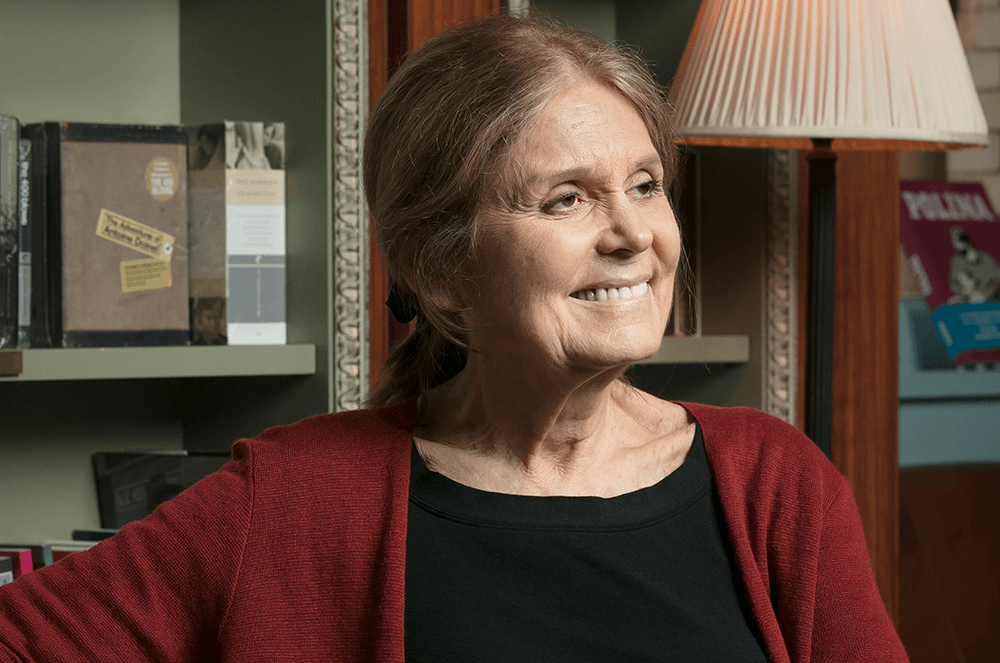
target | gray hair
[{"x": 437, "y": 150}]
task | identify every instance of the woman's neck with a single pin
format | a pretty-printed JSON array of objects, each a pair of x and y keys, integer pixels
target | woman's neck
[{"x": 506, "y": 432}]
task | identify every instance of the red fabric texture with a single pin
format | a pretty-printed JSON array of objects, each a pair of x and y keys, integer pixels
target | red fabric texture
[{"x": 295, "y": 551}]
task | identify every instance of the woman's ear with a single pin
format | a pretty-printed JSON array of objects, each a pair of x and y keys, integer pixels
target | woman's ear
[
  {"x": 450, "y": 297},
  {"x": 446, "y": 295},
  {"x": 408, "y": 277}
]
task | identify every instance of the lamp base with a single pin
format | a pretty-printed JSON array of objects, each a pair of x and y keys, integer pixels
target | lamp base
[{"x": 820, "y": 294}]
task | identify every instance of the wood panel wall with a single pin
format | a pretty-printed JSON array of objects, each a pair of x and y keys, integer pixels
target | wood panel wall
[
  {"x": 397, "y": 27},
  {"x": 866, "y": 355}
]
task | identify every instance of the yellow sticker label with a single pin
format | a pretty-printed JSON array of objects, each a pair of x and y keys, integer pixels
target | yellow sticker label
[
  {"x": 162, "y": 180},
  {"x": 145, "y": 274},
  {"x": 135, "y": 235}
]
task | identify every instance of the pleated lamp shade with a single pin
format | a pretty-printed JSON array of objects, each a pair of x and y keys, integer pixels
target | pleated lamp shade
[{"x": 868, "y": 74}]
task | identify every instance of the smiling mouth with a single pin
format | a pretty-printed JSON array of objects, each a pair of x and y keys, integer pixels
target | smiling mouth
[{"x": 612, "y": 294}]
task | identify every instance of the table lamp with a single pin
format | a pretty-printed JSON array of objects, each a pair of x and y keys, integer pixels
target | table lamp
[{"x": 826, "y": 76}]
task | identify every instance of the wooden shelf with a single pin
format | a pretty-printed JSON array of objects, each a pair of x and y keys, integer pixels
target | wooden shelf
[
  {"x": 701, "y": 350},
  {"x": 164, "y": 362}
]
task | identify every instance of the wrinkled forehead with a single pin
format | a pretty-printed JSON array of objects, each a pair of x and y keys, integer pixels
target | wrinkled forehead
[{"x": 559, "y": 131}]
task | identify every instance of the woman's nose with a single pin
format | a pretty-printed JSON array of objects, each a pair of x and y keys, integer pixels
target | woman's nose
[{"x": 628, "y": 232}]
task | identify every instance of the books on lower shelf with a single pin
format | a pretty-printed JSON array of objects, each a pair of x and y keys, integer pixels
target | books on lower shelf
[
  {"x": 25, "y": 558},
  {"x": 6, "y": 571},
  {"x": 951, "y": 236},
  {"x": 21, "y": 560},
  {"x": 131, "y": 485}
]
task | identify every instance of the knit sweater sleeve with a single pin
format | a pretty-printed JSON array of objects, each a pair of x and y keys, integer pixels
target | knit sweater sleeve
[
  {"x": 798, "y": 542},
  {"x": 158, "y": 590},
  {"x": 850, "y": 621}
]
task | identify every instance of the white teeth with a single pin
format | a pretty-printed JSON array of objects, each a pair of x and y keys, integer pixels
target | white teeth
[{"x": 613, "y": 294}]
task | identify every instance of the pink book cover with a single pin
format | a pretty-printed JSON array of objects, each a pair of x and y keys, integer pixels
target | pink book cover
[
  {"x": 951, "y": 235},
  {"x": 22, "y": 560}
]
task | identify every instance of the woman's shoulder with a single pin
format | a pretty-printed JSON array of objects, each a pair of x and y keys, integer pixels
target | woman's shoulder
[
  {"x": 330, "y": 443},
  {"x": 751, "y": 431},
  {"x": 753, "y": 448}
]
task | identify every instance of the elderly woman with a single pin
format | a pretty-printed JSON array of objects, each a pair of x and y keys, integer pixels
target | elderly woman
[{"x": 510, "y": 498}]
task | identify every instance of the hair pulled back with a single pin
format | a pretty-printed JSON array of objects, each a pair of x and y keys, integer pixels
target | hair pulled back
[{"x": 436, "y": 154}]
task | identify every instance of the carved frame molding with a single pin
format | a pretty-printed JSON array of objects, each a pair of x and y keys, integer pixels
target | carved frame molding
[
  {"x": 349, "y": 342},
  {"x": 516, "y": 7},
  {"x": 781, "y": 287}
]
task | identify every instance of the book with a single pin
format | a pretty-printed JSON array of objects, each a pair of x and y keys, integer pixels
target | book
[
  {"x": 6, "y": 571},
  {"x": 108, "y": 208},
  {"x": 685, "y": 197},
  {"x": 951, "y": 236},
  {"x": 41, "y": 554},
  {"x": 9, "y": 134},
  {"x": 93, "y": 535},
  {"x": 21, "y": 557},
  {"x": 61, "y": 549},
  {"x": 24, "y": 243},
  {"x": 236, "y": 189},
  {"x": 130, "y": 485},
  {"x": 39, "y": 333}
]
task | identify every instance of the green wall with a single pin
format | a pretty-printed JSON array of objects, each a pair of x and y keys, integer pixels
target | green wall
[{"x": 94, "y": 61}]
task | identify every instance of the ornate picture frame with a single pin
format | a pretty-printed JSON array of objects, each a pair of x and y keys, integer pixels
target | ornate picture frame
[{"x": 349, "y": 341}]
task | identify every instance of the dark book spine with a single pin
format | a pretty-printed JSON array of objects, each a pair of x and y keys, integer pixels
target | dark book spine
[
  {"x": 8, "y": 232},
  {"x": 46, "y": 247},
  {"x": 53, "y": 228},
  {"x": 6, "y": 570},
  {"x": 24, "y": 243}
]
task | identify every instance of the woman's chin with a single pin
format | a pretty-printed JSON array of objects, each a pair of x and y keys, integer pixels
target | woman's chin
[{"x": 617, "y": 355}]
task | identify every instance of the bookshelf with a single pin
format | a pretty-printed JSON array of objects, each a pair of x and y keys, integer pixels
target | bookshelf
[
  {"x": 716, "y": 349},
  {"x": 81, "y": 364},
  {"x": 188, "y": 61}
]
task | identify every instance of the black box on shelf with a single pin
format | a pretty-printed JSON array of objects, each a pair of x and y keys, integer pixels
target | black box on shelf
[{"x": 131, "y": 485}]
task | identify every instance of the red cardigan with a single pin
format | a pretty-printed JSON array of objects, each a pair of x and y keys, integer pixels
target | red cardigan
[{"x": 295, "y": 552}]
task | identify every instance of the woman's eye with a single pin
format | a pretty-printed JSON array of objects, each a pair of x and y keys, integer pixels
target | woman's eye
[
  {"x": 648, "y": 188},
  {"x": 563, "y": 203}
]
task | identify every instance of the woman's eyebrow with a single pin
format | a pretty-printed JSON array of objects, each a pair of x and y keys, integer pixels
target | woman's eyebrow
[{"x": 581, "y": 172}]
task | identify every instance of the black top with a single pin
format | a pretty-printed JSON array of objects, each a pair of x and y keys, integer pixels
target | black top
[{"x": 645, "y": 576}]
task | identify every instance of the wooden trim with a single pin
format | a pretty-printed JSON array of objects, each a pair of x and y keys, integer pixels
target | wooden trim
[
  {"x": 378, "y": 281},
  {"x": 397, "y": 27},
  {"x": 803, "y": 267},
  {"x": 865, "y": 439},
  {"x": 428, "y": 17},
  {"x": 347, "y": 243}
]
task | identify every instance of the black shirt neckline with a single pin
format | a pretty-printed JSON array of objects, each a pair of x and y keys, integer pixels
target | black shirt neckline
[{"x": 449, "y": 499}]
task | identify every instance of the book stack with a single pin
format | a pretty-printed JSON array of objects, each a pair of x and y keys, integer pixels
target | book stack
[
  {"x": 6, "y": 570},
  {"x": 126, "y": 235},
  {"x": 17, "y": 560},
  {"x": 236, "y": 174},
  {"x": 107, "y": 207},
  {"x": 9, "y": 134},
  {"x": 951, "y": 236},
  {"x": 20, "y": 560}
]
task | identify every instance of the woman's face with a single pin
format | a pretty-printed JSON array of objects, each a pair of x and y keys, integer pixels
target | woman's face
[{"x": 581, "y": 275}]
